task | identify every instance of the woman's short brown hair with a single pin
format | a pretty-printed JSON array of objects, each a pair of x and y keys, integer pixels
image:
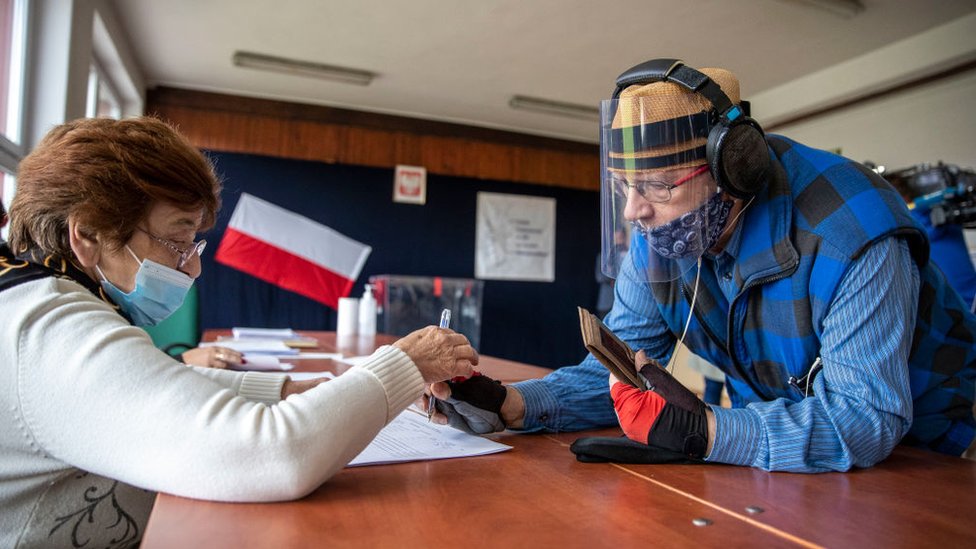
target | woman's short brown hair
[{"x": 108, "y": 174}]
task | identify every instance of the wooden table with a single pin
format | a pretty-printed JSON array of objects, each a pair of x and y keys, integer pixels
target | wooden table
[{"x": 538, "y": 495}]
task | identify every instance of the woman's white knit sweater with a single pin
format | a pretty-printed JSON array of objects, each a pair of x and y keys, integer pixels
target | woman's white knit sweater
[{"x": 95, "y": 419}]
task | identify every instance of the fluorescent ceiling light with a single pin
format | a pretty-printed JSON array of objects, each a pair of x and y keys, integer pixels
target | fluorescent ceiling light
[
  {"x": 302, "y": 68},
  {"x": 545, "y": 106},
  {"x": 843, "y": 8}
]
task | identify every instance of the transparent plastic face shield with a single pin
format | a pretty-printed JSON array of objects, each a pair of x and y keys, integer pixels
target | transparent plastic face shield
[{"x": 660, "y": 207}]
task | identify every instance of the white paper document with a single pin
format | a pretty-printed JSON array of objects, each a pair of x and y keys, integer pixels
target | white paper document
[
  {"x": 262, "y": 363},
  {"x": 262, "y": 346},
  {"x": 263, "y": 333},
  {"x": 409, "y": 437}
]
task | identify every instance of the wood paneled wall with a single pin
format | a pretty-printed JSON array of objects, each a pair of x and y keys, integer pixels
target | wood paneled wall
[{"x": 307, "y": 132}]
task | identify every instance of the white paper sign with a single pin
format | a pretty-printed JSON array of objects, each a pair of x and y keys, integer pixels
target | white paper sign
[
  {"x": 515, "y": 237},
  {"x": 410, "y": 184}
]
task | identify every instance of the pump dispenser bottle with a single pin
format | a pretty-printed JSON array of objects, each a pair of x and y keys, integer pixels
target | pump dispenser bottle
[{"x": 367, "y": 313}]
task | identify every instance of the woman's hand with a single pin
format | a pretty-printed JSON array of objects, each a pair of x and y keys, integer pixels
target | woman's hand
[
  {"x": 213, "y": 357},
  {"x": 439, "y": 353}
]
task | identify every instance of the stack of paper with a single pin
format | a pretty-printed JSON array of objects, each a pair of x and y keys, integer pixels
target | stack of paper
[
  {"x": 261, "y": 347},
  {"x": 263, "y": 333},
  {"x": 259, "y": 355},
  {"x": 257, "y": 346},
  {"x": 286, "y": 335}
]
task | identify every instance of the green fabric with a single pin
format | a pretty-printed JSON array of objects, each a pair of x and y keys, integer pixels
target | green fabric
[{"x": 182, "y": 327}]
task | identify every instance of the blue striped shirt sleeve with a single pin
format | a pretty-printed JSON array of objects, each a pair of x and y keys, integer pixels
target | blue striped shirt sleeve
[
  {"x": 862, "y": 403},
  {"x": 574, "y": 398}
]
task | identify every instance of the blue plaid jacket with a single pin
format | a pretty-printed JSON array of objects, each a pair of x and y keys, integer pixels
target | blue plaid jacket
[{"x": 820, "y": 213}]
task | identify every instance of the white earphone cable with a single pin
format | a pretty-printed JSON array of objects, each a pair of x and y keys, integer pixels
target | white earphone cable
[
  {"x": 694, "y": 297},
  {"x": 691, "y": 309}
]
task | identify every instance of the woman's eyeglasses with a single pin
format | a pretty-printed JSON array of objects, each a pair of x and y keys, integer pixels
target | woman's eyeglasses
[{"x": 195, "y": 249}]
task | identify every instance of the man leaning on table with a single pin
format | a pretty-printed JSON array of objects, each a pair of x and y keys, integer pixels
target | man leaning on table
[{"x": 799, "y": 273}]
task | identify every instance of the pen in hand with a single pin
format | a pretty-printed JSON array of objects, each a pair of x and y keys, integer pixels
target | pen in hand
[{"x": 445, "y": 323}]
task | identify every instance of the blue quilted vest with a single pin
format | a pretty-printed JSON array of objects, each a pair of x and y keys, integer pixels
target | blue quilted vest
[{"x": 786, "y": 278}]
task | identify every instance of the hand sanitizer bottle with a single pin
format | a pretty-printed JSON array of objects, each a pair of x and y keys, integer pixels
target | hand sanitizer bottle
[
  {"x": 348, "y": 313},
  {"x": 367, "y": 313}
]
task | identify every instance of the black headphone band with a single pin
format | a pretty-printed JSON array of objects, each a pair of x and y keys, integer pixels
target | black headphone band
[
  {"x": 701, "y": 84},
  {"x": 675, "y": 70},
  {"x": 655, "y": 70}
]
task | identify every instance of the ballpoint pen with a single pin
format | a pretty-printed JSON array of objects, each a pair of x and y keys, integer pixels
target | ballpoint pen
[{"x": 445, "y": 323}]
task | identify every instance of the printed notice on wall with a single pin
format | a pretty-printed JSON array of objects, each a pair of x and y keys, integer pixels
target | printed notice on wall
[{"x": 515, "y": 237}]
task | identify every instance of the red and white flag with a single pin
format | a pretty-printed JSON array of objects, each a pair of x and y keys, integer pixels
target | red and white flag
[{"x": 291, "y": 251}]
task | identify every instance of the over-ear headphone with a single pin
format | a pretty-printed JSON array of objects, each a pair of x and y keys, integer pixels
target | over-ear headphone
[{"x": 736, "y": 148}]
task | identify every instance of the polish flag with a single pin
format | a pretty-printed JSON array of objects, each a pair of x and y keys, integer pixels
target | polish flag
[{"x": 291, "y": 251}]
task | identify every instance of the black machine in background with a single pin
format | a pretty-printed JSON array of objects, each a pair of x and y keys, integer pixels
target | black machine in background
[{"x": 946, "y": 191}]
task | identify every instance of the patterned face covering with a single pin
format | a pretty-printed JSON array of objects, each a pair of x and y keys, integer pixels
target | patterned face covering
[{"x": 682, "y": 237}]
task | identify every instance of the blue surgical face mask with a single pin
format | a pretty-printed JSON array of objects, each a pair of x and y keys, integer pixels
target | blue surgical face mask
[
  {"x": 683, "y": 237},
  {"x": 159, "y": 292}
]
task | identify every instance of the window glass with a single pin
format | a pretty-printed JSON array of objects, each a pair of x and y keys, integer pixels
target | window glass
[
  {"x": 7, "y": 190},
  {"x": 12, "y": 51}
]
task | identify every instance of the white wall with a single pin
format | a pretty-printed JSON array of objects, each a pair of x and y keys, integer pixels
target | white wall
[
  {"x": 927, "y": 123},
  {"x": 924, "y": 124}
]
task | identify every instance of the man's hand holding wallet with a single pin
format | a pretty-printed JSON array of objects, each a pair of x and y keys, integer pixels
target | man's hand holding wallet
[{"x": 664, "y": 422}]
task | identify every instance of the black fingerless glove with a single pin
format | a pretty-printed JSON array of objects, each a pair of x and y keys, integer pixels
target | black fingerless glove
[{"x": 475, "y": 405}]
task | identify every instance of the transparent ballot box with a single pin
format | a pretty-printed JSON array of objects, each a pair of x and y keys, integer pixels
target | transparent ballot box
[{"x": 408, "y": 303}]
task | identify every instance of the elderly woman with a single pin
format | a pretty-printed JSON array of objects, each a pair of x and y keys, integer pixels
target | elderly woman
[{"x": 95, "y": 418}]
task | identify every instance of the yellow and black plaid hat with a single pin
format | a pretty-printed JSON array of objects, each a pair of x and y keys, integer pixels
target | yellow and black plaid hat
[{"x": 663, "y": 125}]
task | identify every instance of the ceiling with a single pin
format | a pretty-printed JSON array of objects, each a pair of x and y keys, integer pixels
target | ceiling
[{"x": 462, "y": 60}]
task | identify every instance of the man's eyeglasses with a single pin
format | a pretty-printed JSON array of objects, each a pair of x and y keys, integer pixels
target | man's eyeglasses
[
  {"x": 195, "y": 249},
  {"x": 652, "y": 190}
]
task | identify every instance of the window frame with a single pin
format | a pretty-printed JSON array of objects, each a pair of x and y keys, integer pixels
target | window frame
[
  {"x": 100, "y": 82},
  {"x": 12, "y": 147}
]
